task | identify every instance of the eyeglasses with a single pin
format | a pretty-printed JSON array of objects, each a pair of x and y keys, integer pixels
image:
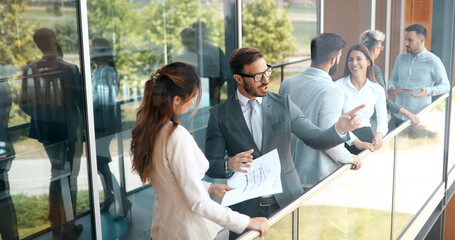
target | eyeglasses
[{"x": 259, "y": 76}]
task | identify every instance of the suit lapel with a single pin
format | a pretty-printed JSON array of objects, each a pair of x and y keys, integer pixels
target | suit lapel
[
  {"x": 235, "y": 111},
  {"x": 266, "y": 121}
]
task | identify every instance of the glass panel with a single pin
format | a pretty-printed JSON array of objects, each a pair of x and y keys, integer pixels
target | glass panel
[
  {"x": 282, "y": 30},
  {"x": 44, "y": 188},
  {"x": 451, "y": 155},
  {"x": 129, "y": 41},
  {"x": 419, "y": 164},
  {"x": 356, "y": 205},
  {"x": 281, "y": 229}
]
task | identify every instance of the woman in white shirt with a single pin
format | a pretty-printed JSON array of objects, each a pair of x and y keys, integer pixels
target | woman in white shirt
[
  {"x": 360, "y": 87},
  {"x": 166, "y": 155}
]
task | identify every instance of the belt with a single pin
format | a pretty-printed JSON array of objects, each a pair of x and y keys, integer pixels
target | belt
[{"x": 267, "y": 201}]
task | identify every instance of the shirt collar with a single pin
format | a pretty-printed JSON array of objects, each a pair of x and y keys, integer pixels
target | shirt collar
[
  {"x": 318, "y": 72},
  {"x": 422, "y": 53},
  {"x": 244, "y": 100},
  {"x": 368, "y": 83}
]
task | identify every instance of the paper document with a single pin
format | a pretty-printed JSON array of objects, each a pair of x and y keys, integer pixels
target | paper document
[{"x": 263, "y": 178}]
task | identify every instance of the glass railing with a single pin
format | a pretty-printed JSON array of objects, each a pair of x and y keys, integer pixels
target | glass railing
[{"x": 390, "y": 197}]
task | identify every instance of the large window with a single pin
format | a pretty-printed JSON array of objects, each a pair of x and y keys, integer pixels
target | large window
[
  {"x": 129, "y": 41},
  {"x": 44, "y": 187}
]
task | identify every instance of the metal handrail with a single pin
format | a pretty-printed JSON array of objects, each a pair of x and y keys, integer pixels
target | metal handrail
[
  {"x": 282, "y": 65},
  {"x": 336, "y": 174}
]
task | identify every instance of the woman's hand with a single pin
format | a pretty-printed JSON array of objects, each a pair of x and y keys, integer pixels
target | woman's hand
[
  {"x": 261, "y": 224},
  {"x": 356, "y": 162},
  {"x": 414, "y": 119},
  {"x": 219, "y": 189},
  {"x": 363, "y": 145},
  {"x": 377, "y": 140}
]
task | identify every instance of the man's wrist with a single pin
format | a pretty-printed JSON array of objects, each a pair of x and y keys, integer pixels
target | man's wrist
[
  {"x": 228, "y": 172},
  {"x": 340, "y": 133}
]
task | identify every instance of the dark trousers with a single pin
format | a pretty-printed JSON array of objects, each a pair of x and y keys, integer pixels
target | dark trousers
[
  {"x": 364, "y": 134},
  {"x": 394, "y": 122},
  {"x": 214, "y": 90},
  {"x": 103, "y": 159},
  {"x": 59, "y": 154},
  {"x": 253, "y": 209},
  {"x": 8, "y": 220}
]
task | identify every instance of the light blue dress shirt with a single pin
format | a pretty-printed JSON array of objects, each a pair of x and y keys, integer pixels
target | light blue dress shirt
[
  {"x": 416, "y": 72},
  {"x": 321, "y": 100}
]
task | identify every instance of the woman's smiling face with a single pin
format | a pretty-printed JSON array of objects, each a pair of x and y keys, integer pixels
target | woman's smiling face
[{"x": 358, "y": 64}]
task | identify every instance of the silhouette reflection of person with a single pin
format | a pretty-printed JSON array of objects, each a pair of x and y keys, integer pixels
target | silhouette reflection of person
[
  {"x": 8, "y": 220},
  {"x": 189, "y": 52},
  {"x": 107, "y": 114},
  {"x": 51, "y": 95},
  {"x": 212, "y": 63}
]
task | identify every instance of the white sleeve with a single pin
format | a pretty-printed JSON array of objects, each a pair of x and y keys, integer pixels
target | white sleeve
[{"x": 182, "y": 154}]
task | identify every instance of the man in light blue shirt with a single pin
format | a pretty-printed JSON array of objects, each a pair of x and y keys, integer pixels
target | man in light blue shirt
[
  {"x": 417, "y": 75},
  {"x": 321, "y": 100}
]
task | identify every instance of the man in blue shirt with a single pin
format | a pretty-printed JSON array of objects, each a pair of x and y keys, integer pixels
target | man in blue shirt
[
  {"x": 321, "y": 100},
  {"x": 417, "y": 75}
]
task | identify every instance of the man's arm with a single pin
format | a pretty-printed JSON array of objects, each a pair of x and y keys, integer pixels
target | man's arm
[
  {"x": 393, "y": 81},
  {"x": 332, "y": 107},
  {"x": 309, "y": 133},
  {"x": 441, "y": 82}
]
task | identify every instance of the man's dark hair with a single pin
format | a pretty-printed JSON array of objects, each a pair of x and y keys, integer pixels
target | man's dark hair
[
  {"x": 43, "y": 38},
  {"x": 419, "y": 29},
  {"x": 243, "y": 56},
  {"x": 325, "y": 46}
]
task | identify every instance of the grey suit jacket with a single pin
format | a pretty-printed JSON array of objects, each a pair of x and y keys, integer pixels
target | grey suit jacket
[{"x": 228, "y": 134}]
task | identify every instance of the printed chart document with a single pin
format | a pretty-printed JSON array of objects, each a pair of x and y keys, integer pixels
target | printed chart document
[{"x": 263, "y": 178}]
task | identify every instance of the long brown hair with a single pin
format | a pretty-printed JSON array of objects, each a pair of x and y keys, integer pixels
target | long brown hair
[
  {"x": 157, "y": 110},
  {"x": 361, "y": 48}
]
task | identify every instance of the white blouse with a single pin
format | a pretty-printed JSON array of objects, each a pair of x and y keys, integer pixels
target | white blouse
[
  {"x": 372, "y": 95},
  {"x": 183, "y": 208}
]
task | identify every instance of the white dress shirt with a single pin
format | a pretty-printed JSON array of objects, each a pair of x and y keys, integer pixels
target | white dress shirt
[
  {"x": 183, "y": 208},
  {"x": 246, "y": 109},
  {"x": 372, "y": 95}
]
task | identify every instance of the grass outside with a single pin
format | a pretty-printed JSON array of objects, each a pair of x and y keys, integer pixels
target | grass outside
[{"x": 32, "y": 211}]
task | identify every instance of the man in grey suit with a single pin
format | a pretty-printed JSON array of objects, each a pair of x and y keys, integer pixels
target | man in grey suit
[
  {"x": 254, "y": 122},
  {"x": 321, "y": 100}
]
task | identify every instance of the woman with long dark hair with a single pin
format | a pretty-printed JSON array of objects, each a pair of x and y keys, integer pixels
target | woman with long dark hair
[
  {"x": 166, "y": 155},
  {"x": 360, "y": 87}
]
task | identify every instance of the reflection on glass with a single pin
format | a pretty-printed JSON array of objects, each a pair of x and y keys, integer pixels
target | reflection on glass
[
  {"x": 107, "y": 115},
  {"x": 356, "y": 206},
  {"x": 144, "y": 35},
  {"x": 419, "y": 164},
  {"x": 8, "y": 219},
  {"x": 283, "y": 36},
  {"x": 51, "y": 96},
  {"x": 41, "y": 100},
  {"x": 451, "y": 156}
]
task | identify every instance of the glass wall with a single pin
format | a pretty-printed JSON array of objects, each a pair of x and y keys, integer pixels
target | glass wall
[
  {"x": 282, "y": 30},
  {"x": 44, "y": 186},
  {"x": 129, "y": 41},
  {"x": 356, "y": 206},
  {"x": 44, "y": 175}
]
